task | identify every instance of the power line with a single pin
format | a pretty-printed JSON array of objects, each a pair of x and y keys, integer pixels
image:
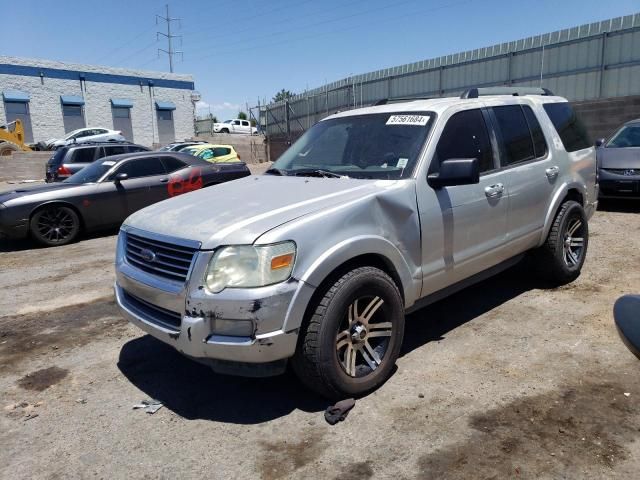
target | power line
[
  {"x": 126, "y": 44},
  {"x": 171, "y": 52},
  {"x": 137, "y": 52}
]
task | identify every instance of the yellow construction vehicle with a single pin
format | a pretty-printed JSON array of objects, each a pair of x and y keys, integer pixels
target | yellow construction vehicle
[{"x": 12, "y": 138}]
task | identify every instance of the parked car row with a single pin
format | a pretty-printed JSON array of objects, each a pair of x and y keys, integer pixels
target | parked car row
[{"x": 84, "y": 135}]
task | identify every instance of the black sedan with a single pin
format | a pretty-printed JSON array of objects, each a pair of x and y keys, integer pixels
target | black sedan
[
  {"x": 106, "y": 192},
  {"x": 619, "y": 162}
]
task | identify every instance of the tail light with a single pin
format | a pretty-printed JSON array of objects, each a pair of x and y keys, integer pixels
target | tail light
[{"x": 62, "y": 170}]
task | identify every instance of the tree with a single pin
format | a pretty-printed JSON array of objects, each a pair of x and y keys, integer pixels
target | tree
[
  {"x": 282, "y": 95},
  {"x": 242, "y": 115}
]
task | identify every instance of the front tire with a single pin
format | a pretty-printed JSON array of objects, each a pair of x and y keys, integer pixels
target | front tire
[
  {"x": 562, "y": 256},
  {"x": 349, "y": 345},
  {"x": 55, "y": 225}
]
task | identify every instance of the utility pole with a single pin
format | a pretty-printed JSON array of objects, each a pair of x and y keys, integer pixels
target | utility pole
[{"x": 171, "y": 52}]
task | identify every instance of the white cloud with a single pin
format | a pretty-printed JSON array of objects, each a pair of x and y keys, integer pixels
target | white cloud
[{"x": 226, "y": 106}]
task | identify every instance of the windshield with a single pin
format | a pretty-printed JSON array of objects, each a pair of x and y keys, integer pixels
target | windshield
[
  {"x": 72, "y": 134},
  {"x": 228, "y": 121},
  {"x": 189, "y": 150},
  {"x": 91, "y": 173},
  {"x": 382, "y": 145},
  {"x": 627, "y": 136}
]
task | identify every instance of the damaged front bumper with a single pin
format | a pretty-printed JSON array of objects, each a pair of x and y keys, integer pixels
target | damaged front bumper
[{"x": 237, "y": 331}]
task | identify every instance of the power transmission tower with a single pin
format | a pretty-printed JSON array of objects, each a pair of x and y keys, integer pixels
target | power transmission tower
[{"x": 171, "y": 52}]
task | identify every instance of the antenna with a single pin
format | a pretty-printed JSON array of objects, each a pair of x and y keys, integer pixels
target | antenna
[{"x": 171, "y": 52}]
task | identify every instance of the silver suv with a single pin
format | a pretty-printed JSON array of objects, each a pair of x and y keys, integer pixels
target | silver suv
[{"x": 371, "y": 213}]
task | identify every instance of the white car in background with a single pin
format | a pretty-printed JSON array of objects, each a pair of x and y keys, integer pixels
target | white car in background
[
  {"x": 83, "y": 135},
  {"x": 236, "y": 125}
]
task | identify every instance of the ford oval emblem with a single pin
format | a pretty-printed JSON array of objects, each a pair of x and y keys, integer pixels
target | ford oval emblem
[
  {"x": 630, "y": 172},
  {"x": 148, "y": 255}
]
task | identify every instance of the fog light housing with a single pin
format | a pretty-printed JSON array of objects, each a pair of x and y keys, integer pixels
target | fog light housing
[{"x": 232, "y": 328}]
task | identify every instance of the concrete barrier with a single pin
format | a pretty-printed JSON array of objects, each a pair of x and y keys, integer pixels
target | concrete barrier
[
  {"x": 251, "y": 148},
  {"x": 21, "y": 166}
]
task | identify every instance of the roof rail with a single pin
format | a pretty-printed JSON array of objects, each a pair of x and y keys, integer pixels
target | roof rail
[
  {"x": 384, "y": 101},
  {"x": 513, "y": 91}
]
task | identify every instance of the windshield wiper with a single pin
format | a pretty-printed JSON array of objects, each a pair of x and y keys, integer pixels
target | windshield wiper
[
  {"x": 275, "y": 171},
  {"x": 317, "y": 172}
]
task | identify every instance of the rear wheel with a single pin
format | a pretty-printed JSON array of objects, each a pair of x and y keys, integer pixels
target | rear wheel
[
  {"x": 7, "y": 148},
  {"x": 562, "y": 256},
  {"x": 55, "y": 225},
  {"x": 350, "y": 344}
]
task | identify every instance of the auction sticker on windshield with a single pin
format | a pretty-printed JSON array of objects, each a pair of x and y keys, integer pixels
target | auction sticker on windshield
[{"x": 420, "y": 120}]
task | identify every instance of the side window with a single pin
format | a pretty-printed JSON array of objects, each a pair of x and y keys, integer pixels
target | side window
[
  {"x": 539, "y": 143},
  {"x": 115, "y": 150},
  {"x": 465, "y": 136},
  {"x": 83, "y": 155},
  {"x": 142, "y": 167},
  {"x": 236, "y": 122},
  {"x": 572, "y": 131},
  {"x": 221, "y": 151},
  {"x": 172, "y": 164},
  {"x": 245, "y": 123},
  {"x": 516, "y": 138},
  {"x": 207, "y": 154},
  {"x": 136, "y": 148}
]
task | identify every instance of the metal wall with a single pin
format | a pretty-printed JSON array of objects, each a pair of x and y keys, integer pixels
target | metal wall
[{"x": 593, "y": 61}]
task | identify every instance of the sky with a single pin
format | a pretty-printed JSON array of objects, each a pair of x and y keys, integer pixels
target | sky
[{"x": 242, "y": 51}]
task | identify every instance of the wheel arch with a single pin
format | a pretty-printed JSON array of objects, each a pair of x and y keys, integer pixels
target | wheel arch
[
  {"x": 570, "y": 191},
  {"x": 61, "y": 203}
]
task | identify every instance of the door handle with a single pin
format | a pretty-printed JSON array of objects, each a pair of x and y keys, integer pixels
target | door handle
[
  {"x": 552, "y": 172},
  {"x": 493, "y": 191},
  {"x": 164, "y": 180}
]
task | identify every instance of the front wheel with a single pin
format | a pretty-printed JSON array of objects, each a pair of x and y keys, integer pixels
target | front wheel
[
  {"x": 55, "y": 225},
  {"x": 350, "y": 344},
  {"x": 562, "y": 256}
]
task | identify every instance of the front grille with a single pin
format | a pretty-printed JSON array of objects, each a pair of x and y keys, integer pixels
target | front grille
[
  {"x": 152, "y": 313},
  {"x": 168, "y": 260}
]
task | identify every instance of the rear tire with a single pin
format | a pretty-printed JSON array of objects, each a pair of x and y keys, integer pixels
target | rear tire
[
  {"x": 559, "y": 261},
  {"x": 349, "y": 345},
  {"x": 54, "y": 225},
  {"x": 7, "y": 148}
]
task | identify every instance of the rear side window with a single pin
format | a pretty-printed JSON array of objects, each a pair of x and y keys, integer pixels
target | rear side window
[
  {"x": 221, "y": 151},
  {"x": 465, "y": 136},
  {"x": 83, "y": 155},
  {"x": 539, "y": 143},
  {"x": 172, "y": 164},
  {"x": 516, "y": 138},
  {"x": 572, "y": 131},
  {"x": 136, "y": 148}
]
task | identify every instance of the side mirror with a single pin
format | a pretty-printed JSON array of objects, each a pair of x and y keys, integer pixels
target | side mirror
[
  {"x": 455, "y": 171},
  {"x": 626, "y": 313},
  {"x": 600, "y": 142},
  {"x": 120, "y": 177}
]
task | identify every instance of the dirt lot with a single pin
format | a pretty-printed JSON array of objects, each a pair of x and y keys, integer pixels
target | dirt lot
[{"x": 503, "y": 380}]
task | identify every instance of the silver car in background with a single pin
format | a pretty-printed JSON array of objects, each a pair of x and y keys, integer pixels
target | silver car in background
[
  {"x": 372, "y": 213},
  {"x": 619, "y": 162}
]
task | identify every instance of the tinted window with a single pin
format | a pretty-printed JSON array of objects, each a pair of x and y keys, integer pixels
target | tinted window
[
  {"x": 221, "y": 151},
  {"x": 115, "y": 150},
  {"x": 165, "y": 114},
  {"x": 539, "y": 143},
  {"x": 136, "y": 148},
  {"x": 91, "y": 173},
  {"x": 142, "y": 167},
  {"x": 83, "y": 155},
  {"x": 17, "y": 108},
  {"x": 172, "y": 164},
  {"x": 627, "y": 136},
  {"x": 465, "y": 136},
  {"x": 516, "y": 138},
  {"x": 72, "y": 110},
  {"x": 572, "y": 131},
  {"x": 245, "y": 124},
  {"x": 120, "y": 112}
]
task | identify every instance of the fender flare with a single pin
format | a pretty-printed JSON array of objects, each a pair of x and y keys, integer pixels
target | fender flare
[
  {"x": 340, "y": 254},
  {"x": 62, "y": 203},
  {"x": 555, "y": 205}
]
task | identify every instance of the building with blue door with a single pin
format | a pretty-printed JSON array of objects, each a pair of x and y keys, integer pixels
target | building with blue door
[{"x": 54, "y": 98}]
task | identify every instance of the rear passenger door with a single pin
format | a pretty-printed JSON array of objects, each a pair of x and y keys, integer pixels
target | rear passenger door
[
  {"x": 530, "y": 171},
  {"x": 474, "y": 217}
]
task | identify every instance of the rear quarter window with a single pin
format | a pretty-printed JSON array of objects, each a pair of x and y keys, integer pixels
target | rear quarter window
[
  {"x": 83, "y": 155},
  {"x": 572, "y": 131}
]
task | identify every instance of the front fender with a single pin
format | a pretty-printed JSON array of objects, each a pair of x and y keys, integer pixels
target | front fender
[{"x": 338, "y": 255}]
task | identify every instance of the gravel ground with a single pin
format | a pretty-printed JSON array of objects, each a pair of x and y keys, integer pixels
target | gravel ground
[{"x": 502, "y": 380}]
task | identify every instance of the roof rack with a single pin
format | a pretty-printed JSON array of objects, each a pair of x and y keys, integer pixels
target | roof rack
[
  {"x": 513, "y": 91},
  {"x": 384, "y": 101}
]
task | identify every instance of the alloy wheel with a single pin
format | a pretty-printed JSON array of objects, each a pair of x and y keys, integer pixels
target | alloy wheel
[
  {"x": 56, "y": 225},
  {"x": 573, "y": 246}
]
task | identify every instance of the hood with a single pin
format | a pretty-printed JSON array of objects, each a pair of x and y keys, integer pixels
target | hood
[
  {"x": 238, "y": 212},
  {"x": 31, "y": 190},
  {"x": 628, "y": 157}
]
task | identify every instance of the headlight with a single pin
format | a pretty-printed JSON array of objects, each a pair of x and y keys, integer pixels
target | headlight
[{"x": 247, "y": 266}]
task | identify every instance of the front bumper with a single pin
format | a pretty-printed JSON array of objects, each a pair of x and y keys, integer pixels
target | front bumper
[
  {"x": 614, "y": 185},
  {"x": 12, "y": 227}
]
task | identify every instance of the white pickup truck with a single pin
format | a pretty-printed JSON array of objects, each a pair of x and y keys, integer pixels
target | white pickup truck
[{"x": 235, "y": 126}]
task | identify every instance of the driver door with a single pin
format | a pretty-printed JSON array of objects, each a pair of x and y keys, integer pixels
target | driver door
[
  {"x": 463, "y": 226},
  {"x": 147, "y": 183}
]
